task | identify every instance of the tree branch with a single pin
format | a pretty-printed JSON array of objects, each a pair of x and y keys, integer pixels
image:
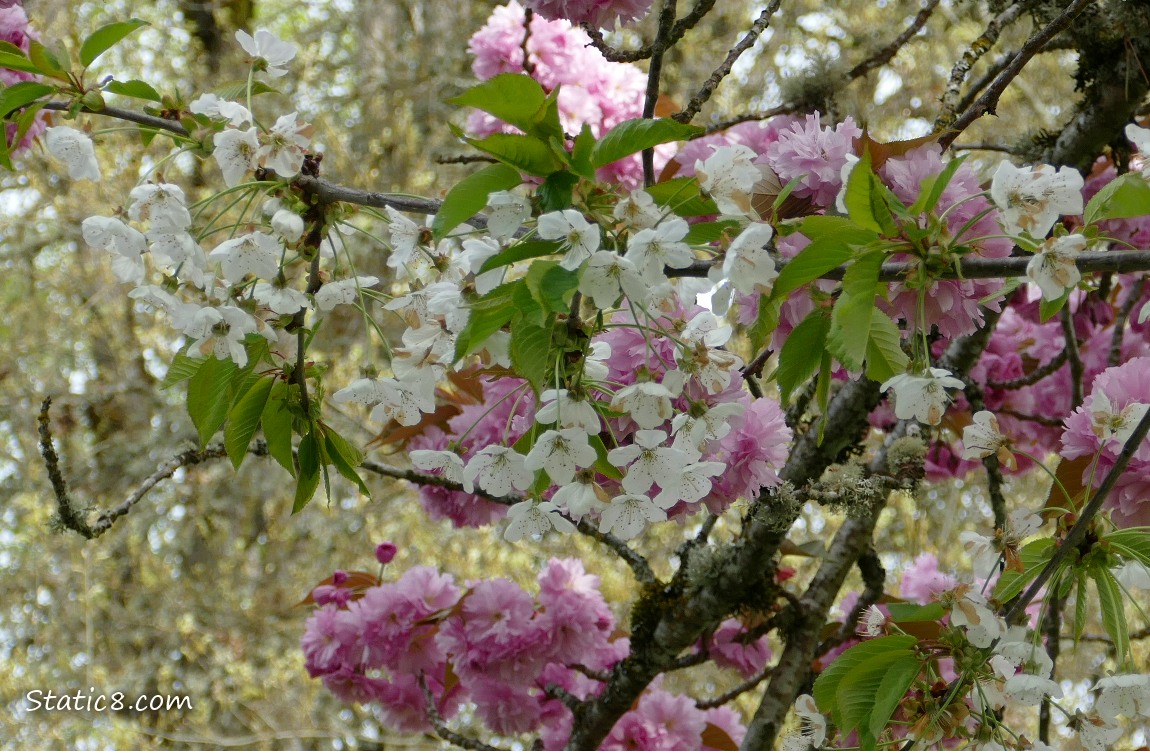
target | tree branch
[
  {"x": 441, "y": 727},
  {"x": 886, "y": 54},
  {"x": 660, "y": 46},
  {"x": 979, "y": 47},
  {"x": 1043, "y": 371},
  {"x": 1120, "y": 319},
  {"x": 1076, "y": 367}
]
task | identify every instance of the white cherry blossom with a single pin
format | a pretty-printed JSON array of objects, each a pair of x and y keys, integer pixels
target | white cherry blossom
[
  {"x": 595, "y": 366},
  {"x": 579, "y": 237},
  {"x": 497, "y": 470},
  {"x": 607, "y": 276},
  {"x": 637, "y": 210},
  {"x": 445, "y": 463},
  {"x": 814, "y": 727},
  {"x": 403, "y": 402},
  {"x": 236, "y": 153},
  {"x": 873, "y": 623},
  {"x": 1052, "y": 267},
  {"x": 697, "y": 431},
  {"x": 688, "y": 483},
  {"x": 662, "y": 246},
  {"x": 288, "y": 225},
  {"x": 748, "y": 265},
  {"x": 1030, "y": 199},
  {"x": 284, "y": 144},
  {"x": 256, "y": 254},
  {"x": 1111, "y": 424},
  {"x": 268, "y": 51},
  {"x": 1029, "y": 690},
  {"x": 559, "y": 407},
  {"x": 113, "y": 235},
  {"x": 177, "y": 248},
  {"x": 1126, "y": 695},
  {"x": 532, "y": 519},
  {"x": 1141, "y": 139},
  {"x": 211, "y": 105},
  {"x": 560, "y": 452},
  {"x": 580, "y": 497},
  {"x": 280, "y": 299},
  {"x": 342, "y": 291},
  {"x": 161, "y": 205},
  {"x": 75, "y": 150},
  {"x": 220, "y": 332},
  {"x": 921, "y": 397},
  {"x": 508, "y": 212},
  {"x": 628, "y": 515},
  {"x": 647, "y": 460},
  {"x": 983, "y": 626},
  {"x": 648, "y": 403},
  {"x": 1095, "y": 732},
  {"x": 476, "y": 251},
  {"x": 982, "y": 438},
  {"x": 728, "y": 176},
  {"x": 405, "y": 237}
]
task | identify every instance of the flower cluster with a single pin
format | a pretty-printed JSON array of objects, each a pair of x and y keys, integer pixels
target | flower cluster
[
  {"x": 513, "y": 656},
  {"x": 14, "y": 29}
]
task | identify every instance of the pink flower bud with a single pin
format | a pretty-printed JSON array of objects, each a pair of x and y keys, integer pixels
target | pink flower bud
[
  {"x": 338, "y": 578},
  {"x": 385, "y": 552}
]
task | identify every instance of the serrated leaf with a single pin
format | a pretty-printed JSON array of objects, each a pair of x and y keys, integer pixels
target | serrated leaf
[
  {"x": 307, "y": 477},
  {"x": 21, "y": 94},
  {"x": 238, "y": 89},
  {"x": 934, "y": 186},
  {"x": 46, "y": 61},
  {"x": 134, "y": 88},
  {"x": 802, "y": 353},
  {"x": 1133, "y": 544},
  {"x": 683, "y": 196},
  {"x": 766, "y": 321},
  {"x": 827, "y": 684},
  {"x": 856, "y": 693},
  {"x": 853, "y": 311},
  {"x": 514, "y": 98},
  {"x": 1081, "y": 604},
  {"x": 1126, "y": 196},
  {"x": 1113, "y": 608},
  {"x": 1034, "y": 557},
  {"x": 345, "y": 458},
  {"x": 106, "y": 37},
  {"x": 244, "y": 419},
  {"x": 531, "y": 353},
  {"x": 528, "y": 310},
  {"x": 907, "y": 612},
  {"x": 709, "y": 232},
  {"x": 862, "y": 199},
  {"x": 210, "y": 396},
  {"x": 525, "y": 153},
  {"x": 1047, "y": 309},
  {"x": 602, "y": 464},
  {"x": 520, "y": 252},
  {"x": 277, "y": 426},
  {"x": 884, "y": 355},
  {"x": 556, "y": 192},
  {"x": 633, "y": 136},
  {"x": 812, "y": 262},
  {"x": 581, "y": 153},
  {"x": 469, "y": 196},
  {"x": 895, "y": 683},
  {"x": 552, "y": 286},
  {"x": 13, "y": 57},
  {"x": 486, "y": 316}
]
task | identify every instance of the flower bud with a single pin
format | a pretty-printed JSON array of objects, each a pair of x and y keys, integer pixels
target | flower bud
[
  {"x": 288, "y": 224},
  {"x": 338, "y": 578},
  {"x": 385, "y": 552}
]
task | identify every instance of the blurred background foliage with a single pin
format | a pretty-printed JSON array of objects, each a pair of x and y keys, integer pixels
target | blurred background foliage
[{"x": 195, "y": 592}]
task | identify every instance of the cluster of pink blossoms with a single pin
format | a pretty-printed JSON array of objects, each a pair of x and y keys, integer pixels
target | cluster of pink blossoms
[
  {"x": 594, "y": 91},
  {"x": 600, "y": 13},
  {"x": 14, "y": 29},
  {"x": 502, "y": 651}
]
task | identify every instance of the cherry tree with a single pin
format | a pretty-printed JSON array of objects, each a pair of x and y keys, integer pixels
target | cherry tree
[{"x": 625, "y": 324}]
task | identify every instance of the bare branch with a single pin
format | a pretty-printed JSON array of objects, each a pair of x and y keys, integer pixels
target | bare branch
[
  {"x": 149, "y": 121},
  {"x": 1120, "y": 319},
  {"x": 662, "y": 43},
  {"x": 70, "y": 517},
  {"x": 988, "y": 102},
  {"x": 712, "y": 83},
  {"x": 723, "y": 125},
  {"x": 735, "y": 692},
  {"x": 886, "y": 54},
  {"x": 1076, "y": 367},
  {"x": 441, "y": 727},
  {"x": 1043, "y": 371},
  {"x": 961, "y": 69}
]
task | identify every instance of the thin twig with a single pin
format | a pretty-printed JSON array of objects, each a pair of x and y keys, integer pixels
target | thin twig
[
  {"x": 1120, "y": 321},
  {"x": 961, "y": 69},
  {"x": 660, "y": 46},
  {"x": 681, "y": 27},
  {"x": 712, "y": 83},
  {"x": 1078, "y": 532},
  {"x": 735, "y": 692},
  {"x": 70, "y": 516},
  {"x": 1076, "y": 368},
  {"x": 983, "y": 148},
  {"x": 441, "y": 727},
  {"x": 988, "y": 102},
  {"x": 1043, "y": 371},
  {"x": 464, "y": 159},
  {"x": 723, "y": 125},
  {"x": 886, "y": 54},
  {"x": 572, "y": 702},
  {"x": 594, "y": 674},
  {"x": 528, "y": 17}
]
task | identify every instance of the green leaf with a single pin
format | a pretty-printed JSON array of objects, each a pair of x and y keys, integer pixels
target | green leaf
[
  {"x": 520, "y": 252},
  {"x": 1034, "y": 557},
  {"x": 907, "y": 612},
  {"x": 933, "y": 187},
  {"x": 487, "y": 316},
  {"x": 827, "y": 684},
  {"x": 244, "y": 419},
  {"x": 345, "y": 457},
  {"x": 210, "y": 396},
  {"x": 183, "y": 367},
  {"x": 22, "y": 94},
  {"x": 528, "y": 310},
  {"x": 134, "y": 88},
  {"x": 13, "y": 57},
  {"x": 307, "y": 479},
  {"x": 851, "y": 317},
  {"x": 1081, "y": 605},
  {"x": 238, "y": 89},
  {"x": 884, "y": 355},
  {"x": 765, "y": 323},
  {"x": 104, "y": 38},
  {"x": 709, "y": 232},
  {"x": 514, "y": 98},
  {"x": 862, "y": 197},
  {"x": 802, "y": 353},
  {"x": 552, "y": 286},
  {"x": 895, "y": 682},
  {"x": 1047, "y": 309},
  {"x": 525, "y": 153},
  {"x": 1126, "y": 196},
  {"x": 602, "y": 464},
  {"x": 683, "y": 196},
  {"x": 46, "y": 61},
  {"x": 1113, "y": 607},
  {"x": 1131, "y": 543},
  {"x": 818, "y": 258},
  {"x": 277, "y": 426},
  {"x": 581, "y": 153},
  {"x": 469, "y": 196},
  {"x": 633, "y": 136},
  {"x": 555, "y": 193},
  {"x": 531, "y": 354}
]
